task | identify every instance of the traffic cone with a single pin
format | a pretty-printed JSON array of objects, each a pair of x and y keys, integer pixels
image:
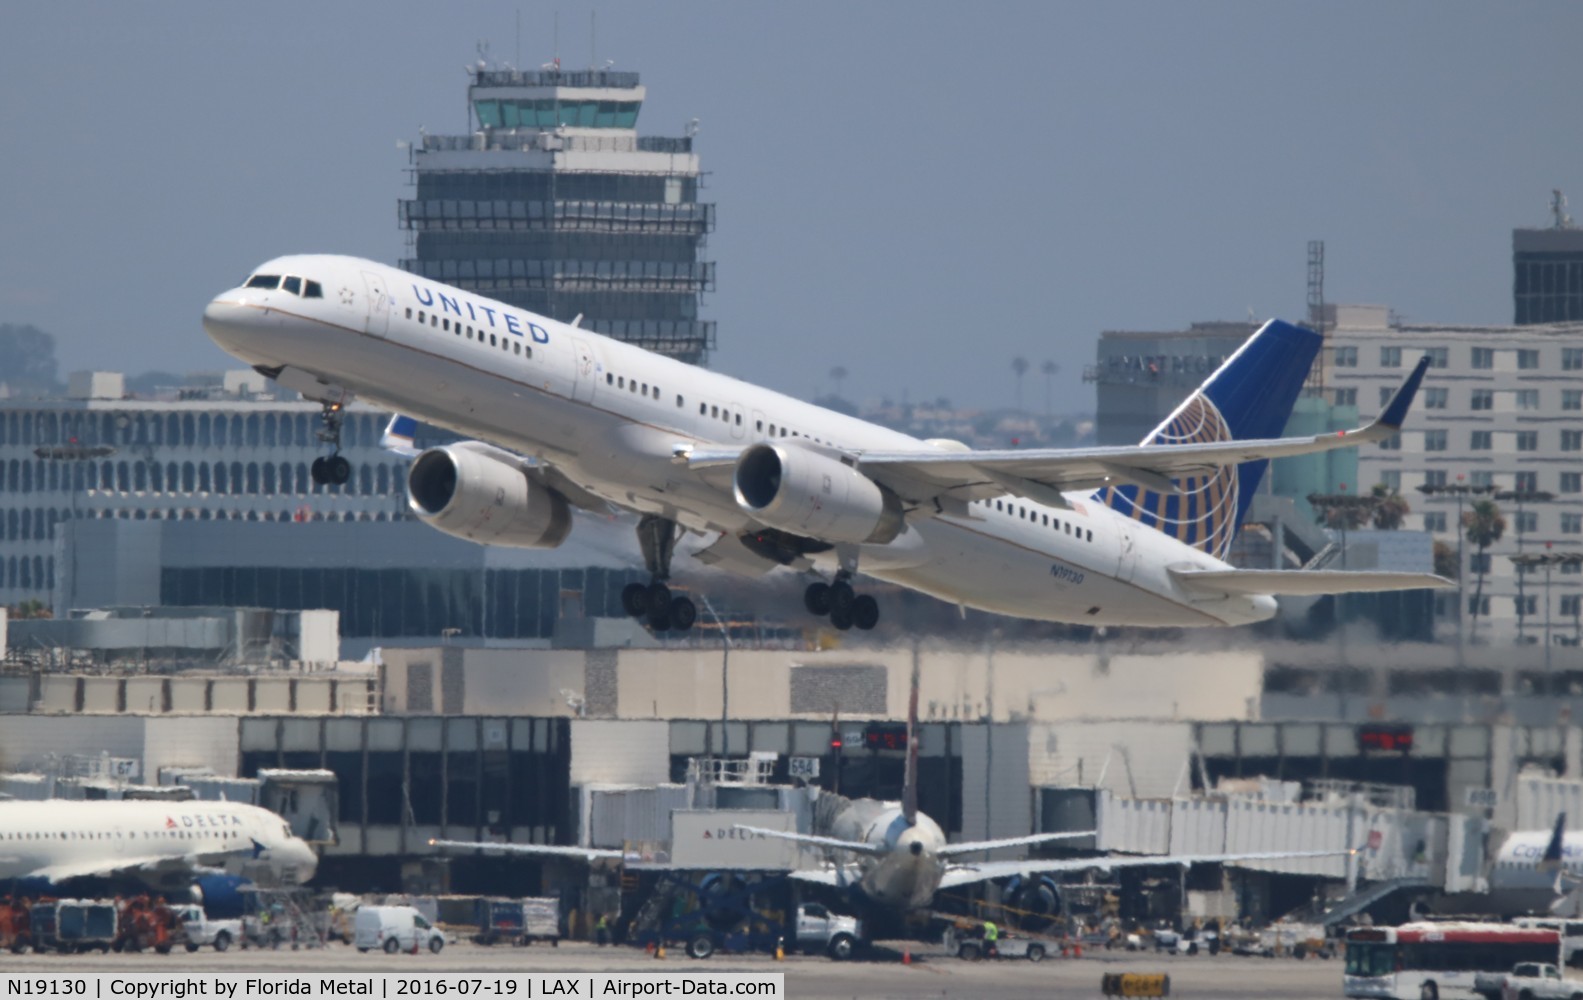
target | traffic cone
[
  {"x": 649, "y": 948},
  {"x": 906, "y": 956}
]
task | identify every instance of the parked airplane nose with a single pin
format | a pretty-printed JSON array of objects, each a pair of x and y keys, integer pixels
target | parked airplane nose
[{"x": 301, "y": 862}]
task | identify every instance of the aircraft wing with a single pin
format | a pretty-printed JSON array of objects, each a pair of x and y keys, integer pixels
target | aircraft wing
[
  {"x": 541, "y": 850},
  {"x": 1310, "y": 582},
  {"x": 85, "y": 867},
  {"x": 943, "y": 477},
  {"x": 953, "y": 850},
  {"x": 855, "y": 846},
  {"x": 968, "y": 874}
]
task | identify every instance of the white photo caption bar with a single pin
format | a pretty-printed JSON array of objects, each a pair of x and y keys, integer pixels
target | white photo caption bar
[{"x": 391, "y": 986}]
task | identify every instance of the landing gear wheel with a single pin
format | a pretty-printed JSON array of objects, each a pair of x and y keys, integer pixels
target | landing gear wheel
[
  {"x": 841, "y": 618},
  {"x": 683, "y": 613},
  {"x": 817, "y": 598},
  {"x": 635, "y": 600},
  {"x": 841, "y": 597},
  {"x": 316, "y": 471},
  {"x": 338, "y": 470},
  {"x": 659, "y": 599},
  {"x": 865, "y": 612},
  {"x": 660, "y": 620}
]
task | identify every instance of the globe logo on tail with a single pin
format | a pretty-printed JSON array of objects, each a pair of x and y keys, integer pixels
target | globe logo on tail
[{"x": 1204, "y": 515}]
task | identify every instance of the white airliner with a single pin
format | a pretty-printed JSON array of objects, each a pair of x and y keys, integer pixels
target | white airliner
[
  {"x": 162, "y": 844},
  {"x": 562, "y": 417},
  {"x": 893, "y": 856}
]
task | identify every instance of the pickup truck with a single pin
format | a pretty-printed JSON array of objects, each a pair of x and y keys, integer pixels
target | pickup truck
[
  {"x": 200, "y": 930},
  {"x": 816, "y": 930},
  {"x": 1527, "y": 981}
]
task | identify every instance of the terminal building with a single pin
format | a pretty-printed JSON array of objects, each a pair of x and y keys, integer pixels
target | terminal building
[{"x": 553, "y": 202}]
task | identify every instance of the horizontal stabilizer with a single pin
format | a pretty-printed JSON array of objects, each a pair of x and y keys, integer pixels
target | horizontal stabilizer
[
  {"x": 856, "y": 846},
  {"x": 1306, "y": 582},
  {"x": 953, "y": 850}
]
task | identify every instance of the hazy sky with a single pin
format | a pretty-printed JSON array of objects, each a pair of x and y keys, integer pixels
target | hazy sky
[{"x": 916, "y": 191}]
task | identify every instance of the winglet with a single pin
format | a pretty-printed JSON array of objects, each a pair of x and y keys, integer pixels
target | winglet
[
  {"x": 1396, "y": 410},
  {"x": 399, "y": 435},
  {"x": 1551, "y": 861}
]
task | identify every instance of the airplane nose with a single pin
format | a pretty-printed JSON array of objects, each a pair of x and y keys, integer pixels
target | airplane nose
[{"x": 223, "y": 314}]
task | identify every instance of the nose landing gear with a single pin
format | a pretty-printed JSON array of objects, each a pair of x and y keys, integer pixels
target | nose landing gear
[
  {"x": 653, "y": 602},
  {"x": 332, "y": 469}
]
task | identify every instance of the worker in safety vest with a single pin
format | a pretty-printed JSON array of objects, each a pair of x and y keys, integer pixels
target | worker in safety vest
[{"x": 991, "y": 936}]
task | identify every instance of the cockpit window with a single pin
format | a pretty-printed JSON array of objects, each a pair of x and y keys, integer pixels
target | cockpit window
[
  {"x": 264, "y": 281},
  {"x": 311, "y": 290},
  {"x": 292, "y": 284}
]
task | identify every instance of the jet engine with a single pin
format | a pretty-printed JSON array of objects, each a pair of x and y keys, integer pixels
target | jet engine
[
  {"x": 1037, "y": 896},
  {"x": 474, "y": 495},
  {"x": 809, "y": 493}
]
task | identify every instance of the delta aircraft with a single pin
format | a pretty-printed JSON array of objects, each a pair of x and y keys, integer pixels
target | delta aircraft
[
  {"x": 556, "y": 417},
  {"x": 167, "y": 846}
]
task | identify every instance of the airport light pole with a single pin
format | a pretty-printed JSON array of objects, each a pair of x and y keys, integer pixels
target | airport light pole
[
  {"x": 725, "y": 663},
  {"x": 73, "y": 451},
  {"x": 1549, "y": 560},
  {"x": 1461, "y": 491},
  {"x": 1520, "y": 497}
]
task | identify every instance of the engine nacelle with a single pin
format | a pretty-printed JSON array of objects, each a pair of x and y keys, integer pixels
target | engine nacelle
[
  {"x": 809, "y": 493},
  {"x": 473, "y": 495}
]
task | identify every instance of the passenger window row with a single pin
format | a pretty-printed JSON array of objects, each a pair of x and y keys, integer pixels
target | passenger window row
[
  {"x": 458, "y": 328},
  {"x": 291, "y": 283},
  {"x": 642, "y": 389},
  {"x": 1055, "y": 523}
]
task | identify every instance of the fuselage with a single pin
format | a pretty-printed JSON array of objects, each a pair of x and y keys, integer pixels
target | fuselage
[
  {"x": 59, "y": 838},
  {"x": 611, "y": 416},
  {"x": 907, "y": 871}
]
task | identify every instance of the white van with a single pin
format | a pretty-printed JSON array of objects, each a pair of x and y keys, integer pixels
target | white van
[{"x": 394, "y": 929}]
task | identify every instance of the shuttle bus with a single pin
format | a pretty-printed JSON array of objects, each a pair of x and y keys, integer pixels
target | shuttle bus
[{"x": 1437, "y": 961}]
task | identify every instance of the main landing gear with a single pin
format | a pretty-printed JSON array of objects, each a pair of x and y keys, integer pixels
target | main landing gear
[
  {"x": 653, "y": 603},
  {"x": 845, "y": 607},
  {"x": 332, "y": 469}
]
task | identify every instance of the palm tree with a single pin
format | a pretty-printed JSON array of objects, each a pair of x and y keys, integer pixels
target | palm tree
[
  {"x": 1048, "y": 369},
  {"x": 1446, "y": 561},
  {"x": 1390, "y": 508},
  {"x": 1020, "y": 367},
  {"x": 1484, "y": 525}
]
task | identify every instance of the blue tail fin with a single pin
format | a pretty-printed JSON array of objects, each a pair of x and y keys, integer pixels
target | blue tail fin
[{"x": 1249, "y": 397}]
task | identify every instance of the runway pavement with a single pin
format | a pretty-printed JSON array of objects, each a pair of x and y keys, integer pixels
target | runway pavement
[{"x": 931, "y": 974}]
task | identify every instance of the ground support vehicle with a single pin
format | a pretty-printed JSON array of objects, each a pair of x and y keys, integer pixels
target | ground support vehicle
[
  {"x": 518, "y": 921},
  {"x": 200, "y": 930},
  {"x": 16, "y": 924},
  {"x": 146, "y": 923},
  {"x": 395, "y": 929},
  {"x": 739, "y": 912},
  {"x": 85, "y": 925},
  {"x": 974, "y": 949},
  {"x": 1527, "y": 981}
]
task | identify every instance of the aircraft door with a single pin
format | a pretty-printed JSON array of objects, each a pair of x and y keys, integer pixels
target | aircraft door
[
  {"x": 585, "y": 365},
  {"x": 378, "y": 304},
  {"x": 1127, "y": 563}
]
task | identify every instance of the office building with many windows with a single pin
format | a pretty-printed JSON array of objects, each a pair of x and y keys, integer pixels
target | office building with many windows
[{"x": 1500, "y": 407}]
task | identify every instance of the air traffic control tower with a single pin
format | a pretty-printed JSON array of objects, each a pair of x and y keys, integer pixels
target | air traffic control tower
[{"x": 555, "y": 204}]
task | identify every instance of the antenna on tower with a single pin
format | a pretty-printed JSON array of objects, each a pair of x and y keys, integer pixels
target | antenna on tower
[
  {"x": 1315, "y": 385},
  {"x": 593, "y": 39},
  {"x": 1558, "y": 209}
]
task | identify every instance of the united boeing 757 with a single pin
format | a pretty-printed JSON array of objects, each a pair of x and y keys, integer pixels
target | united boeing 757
[{"x": 555, "y": 417}]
